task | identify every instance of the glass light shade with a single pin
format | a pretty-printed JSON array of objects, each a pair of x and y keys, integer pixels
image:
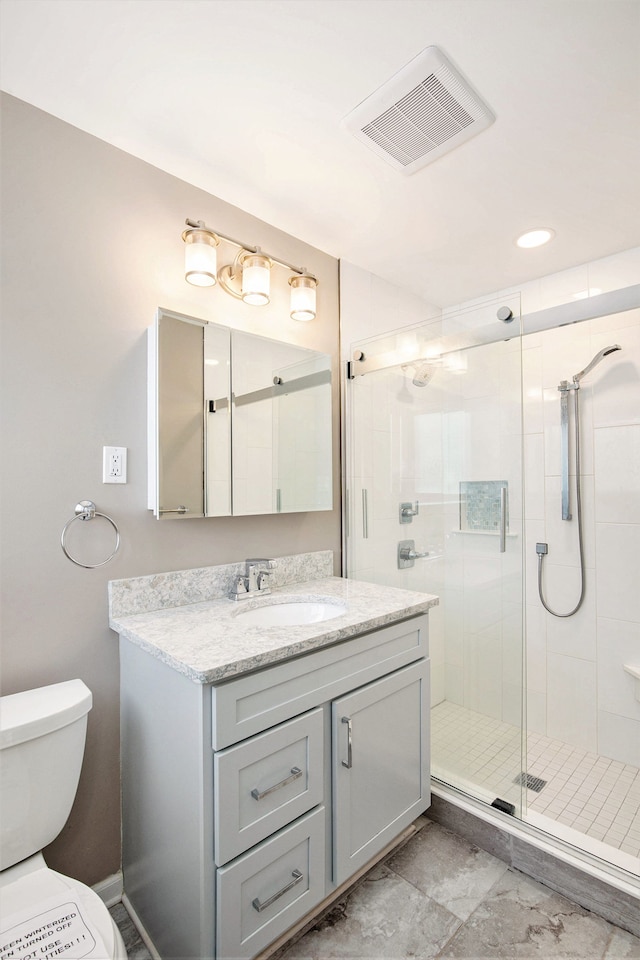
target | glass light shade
[
  {"x": 200, "y": 259},
  {"x": 303, "y": 297},
  {"x": 256, "y": 276}
]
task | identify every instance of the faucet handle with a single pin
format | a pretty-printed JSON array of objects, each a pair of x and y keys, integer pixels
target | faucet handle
[
  {"x": 263, "y": 561},
  {"x": 240, "y": 588}
]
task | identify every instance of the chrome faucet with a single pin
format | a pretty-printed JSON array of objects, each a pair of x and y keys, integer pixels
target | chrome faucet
[{"x": 254, "y": 583}]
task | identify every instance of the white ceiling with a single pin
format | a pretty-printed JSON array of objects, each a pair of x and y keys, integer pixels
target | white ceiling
[{"x": 244, "y": 98}]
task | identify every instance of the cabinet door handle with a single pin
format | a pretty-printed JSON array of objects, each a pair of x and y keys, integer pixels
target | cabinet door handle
[
  {"x": 348, "y": 763},
  {"x": 296, "y": 773},
  {"x": 297, "y": 877}
]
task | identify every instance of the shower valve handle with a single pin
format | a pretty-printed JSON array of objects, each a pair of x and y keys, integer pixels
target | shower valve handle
[{"x": 406, "y": 553}]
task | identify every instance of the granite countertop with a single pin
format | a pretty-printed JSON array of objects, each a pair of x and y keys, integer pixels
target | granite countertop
[{"x": 208, "y": 642}]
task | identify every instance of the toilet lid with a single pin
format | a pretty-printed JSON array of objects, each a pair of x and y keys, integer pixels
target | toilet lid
[{"x": 56, "y": 918}]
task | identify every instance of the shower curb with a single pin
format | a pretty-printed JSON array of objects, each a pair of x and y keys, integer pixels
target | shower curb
[{"x": 607, "y": 900}]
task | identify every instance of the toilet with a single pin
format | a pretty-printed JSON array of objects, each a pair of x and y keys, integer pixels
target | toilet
[{"x": 44, "y": 914}]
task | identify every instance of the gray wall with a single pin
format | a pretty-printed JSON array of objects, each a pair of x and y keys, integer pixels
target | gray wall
[{"x": 90, "y": 248}]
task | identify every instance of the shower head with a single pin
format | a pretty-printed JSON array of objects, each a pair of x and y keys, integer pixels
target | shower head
[
  {"x": 598, "y": 357},
  {"x": 423, "y": 371},
  {"x": 423, "y": 374}
]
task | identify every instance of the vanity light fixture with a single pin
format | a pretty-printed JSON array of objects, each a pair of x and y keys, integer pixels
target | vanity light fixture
[
  {"x": 248, "y": 277},
  {"x": 200, "y": 258},
  {"x": 303, "y": 296}
]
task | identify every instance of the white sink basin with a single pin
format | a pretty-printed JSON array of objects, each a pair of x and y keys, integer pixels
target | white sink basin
[{"x": 291, "y": 613}]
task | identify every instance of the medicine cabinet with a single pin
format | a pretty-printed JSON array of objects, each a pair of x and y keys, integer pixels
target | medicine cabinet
[{"x": 238, "y": 424}]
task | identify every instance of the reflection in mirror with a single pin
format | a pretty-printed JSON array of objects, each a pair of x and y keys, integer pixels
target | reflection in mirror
[
  {"x": 238, "y": 424},
  {"x": 188, "y": 362},
  {"x": 217, "y": 421},
  {"x": 281, "y": 427}
]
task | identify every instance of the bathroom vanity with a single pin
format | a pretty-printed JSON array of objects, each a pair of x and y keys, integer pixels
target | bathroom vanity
[{"x": 264, "y": 765}]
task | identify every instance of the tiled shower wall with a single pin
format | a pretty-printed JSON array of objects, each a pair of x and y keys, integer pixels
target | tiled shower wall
[
  {"x": 418, "y": 445},
  {"x": 578, "y": 691}
]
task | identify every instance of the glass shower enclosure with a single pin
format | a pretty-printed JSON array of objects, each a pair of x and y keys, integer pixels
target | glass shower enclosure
[{"x": 435, "y": 504}]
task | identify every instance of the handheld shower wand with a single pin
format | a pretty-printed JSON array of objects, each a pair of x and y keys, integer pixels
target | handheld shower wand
[
  {"x": 596, "y": 360},
  {"x": 542, "y": 548}
]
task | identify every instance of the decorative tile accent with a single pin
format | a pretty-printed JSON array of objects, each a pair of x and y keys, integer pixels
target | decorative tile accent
[{"x": 480, "y": 505}]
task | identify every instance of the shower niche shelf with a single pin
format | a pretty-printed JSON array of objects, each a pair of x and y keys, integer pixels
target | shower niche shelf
[
  {"x": 483, "y": 533},
  {"x": 634, "y": 671}
]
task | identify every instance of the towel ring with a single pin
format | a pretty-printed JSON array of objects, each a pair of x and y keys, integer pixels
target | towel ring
[{"x": 86, "y": 510}]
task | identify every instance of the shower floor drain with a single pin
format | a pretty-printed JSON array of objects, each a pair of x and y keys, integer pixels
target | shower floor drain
[{"x": 531, "y": 783}]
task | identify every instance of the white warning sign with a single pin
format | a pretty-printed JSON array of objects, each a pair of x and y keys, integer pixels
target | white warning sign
[{"x": 57, "y": 933}]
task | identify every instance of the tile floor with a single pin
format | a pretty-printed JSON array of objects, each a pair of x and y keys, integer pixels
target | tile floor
[
  {"x": 591, "y": 794},
  {"x": 441, "y": 896},
  {"x": 136, "y": 948}
]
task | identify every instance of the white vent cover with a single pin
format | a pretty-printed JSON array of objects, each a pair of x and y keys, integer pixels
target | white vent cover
[{"x": 425, "y": 110}]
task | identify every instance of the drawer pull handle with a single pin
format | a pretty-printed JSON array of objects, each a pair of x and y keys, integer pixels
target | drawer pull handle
[
  {"x": 296, "y": 773},
  {"x": 297, "y": 877},
  {"x": 348, "y": 763}
]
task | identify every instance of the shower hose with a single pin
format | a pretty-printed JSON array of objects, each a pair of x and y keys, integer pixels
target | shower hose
[{"x": 554, "y": 613}]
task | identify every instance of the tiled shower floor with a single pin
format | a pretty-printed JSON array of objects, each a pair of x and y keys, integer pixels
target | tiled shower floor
[{"x": 594, "y": 795}]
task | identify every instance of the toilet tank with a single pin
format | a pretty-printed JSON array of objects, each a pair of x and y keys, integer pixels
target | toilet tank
[{"x": 42, "y": 735}]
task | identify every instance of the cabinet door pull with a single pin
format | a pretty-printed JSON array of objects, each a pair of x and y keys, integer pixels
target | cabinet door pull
[
  {"x": 348, "y": 763},
  {"x": 296, "y": 772},
  {"x": 297, "y": 877}
]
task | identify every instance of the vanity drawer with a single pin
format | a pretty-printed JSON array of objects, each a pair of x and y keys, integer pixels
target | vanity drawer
[
  {"x": 264, "y": 892},
  {"x": 264, "y": 783},
  {"x": 249, "y": 704}
]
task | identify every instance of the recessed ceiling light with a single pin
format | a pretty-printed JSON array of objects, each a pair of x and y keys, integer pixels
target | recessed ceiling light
[{"x": 535, "y": 238}]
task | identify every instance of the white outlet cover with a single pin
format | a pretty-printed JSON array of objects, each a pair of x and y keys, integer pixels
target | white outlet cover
[{"x": 114, "y": 464}]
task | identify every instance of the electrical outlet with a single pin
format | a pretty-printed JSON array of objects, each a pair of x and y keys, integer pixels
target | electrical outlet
[{"x": 114, "y": 464}]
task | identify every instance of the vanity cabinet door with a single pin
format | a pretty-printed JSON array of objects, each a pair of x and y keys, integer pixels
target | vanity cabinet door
[
  {"x": 264, "y": 783},
  {"x": 380, "y": 765}
]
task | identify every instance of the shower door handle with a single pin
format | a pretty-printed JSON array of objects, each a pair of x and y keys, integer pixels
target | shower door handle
[
  {"x": 365, "y": 514},
  {"x": 503, "y": 519}
]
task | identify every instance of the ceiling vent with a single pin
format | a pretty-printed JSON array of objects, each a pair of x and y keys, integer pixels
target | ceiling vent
[{"x": 425, "y": 110}]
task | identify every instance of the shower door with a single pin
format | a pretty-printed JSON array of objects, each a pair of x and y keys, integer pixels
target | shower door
[{"x": 434, "y": 504}]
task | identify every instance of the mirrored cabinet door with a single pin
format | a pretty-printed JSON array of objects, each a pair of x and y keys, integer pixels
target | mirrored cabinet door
[
  {"x": 238, "y": 424},
  {"x": 281, "y": 417}
]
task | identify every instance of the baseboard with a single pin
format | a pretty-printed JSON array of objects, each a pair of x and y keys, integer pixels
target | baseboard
[
  {"x": 110, "y": 890},
  {"x": 144, "y": 936}
]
